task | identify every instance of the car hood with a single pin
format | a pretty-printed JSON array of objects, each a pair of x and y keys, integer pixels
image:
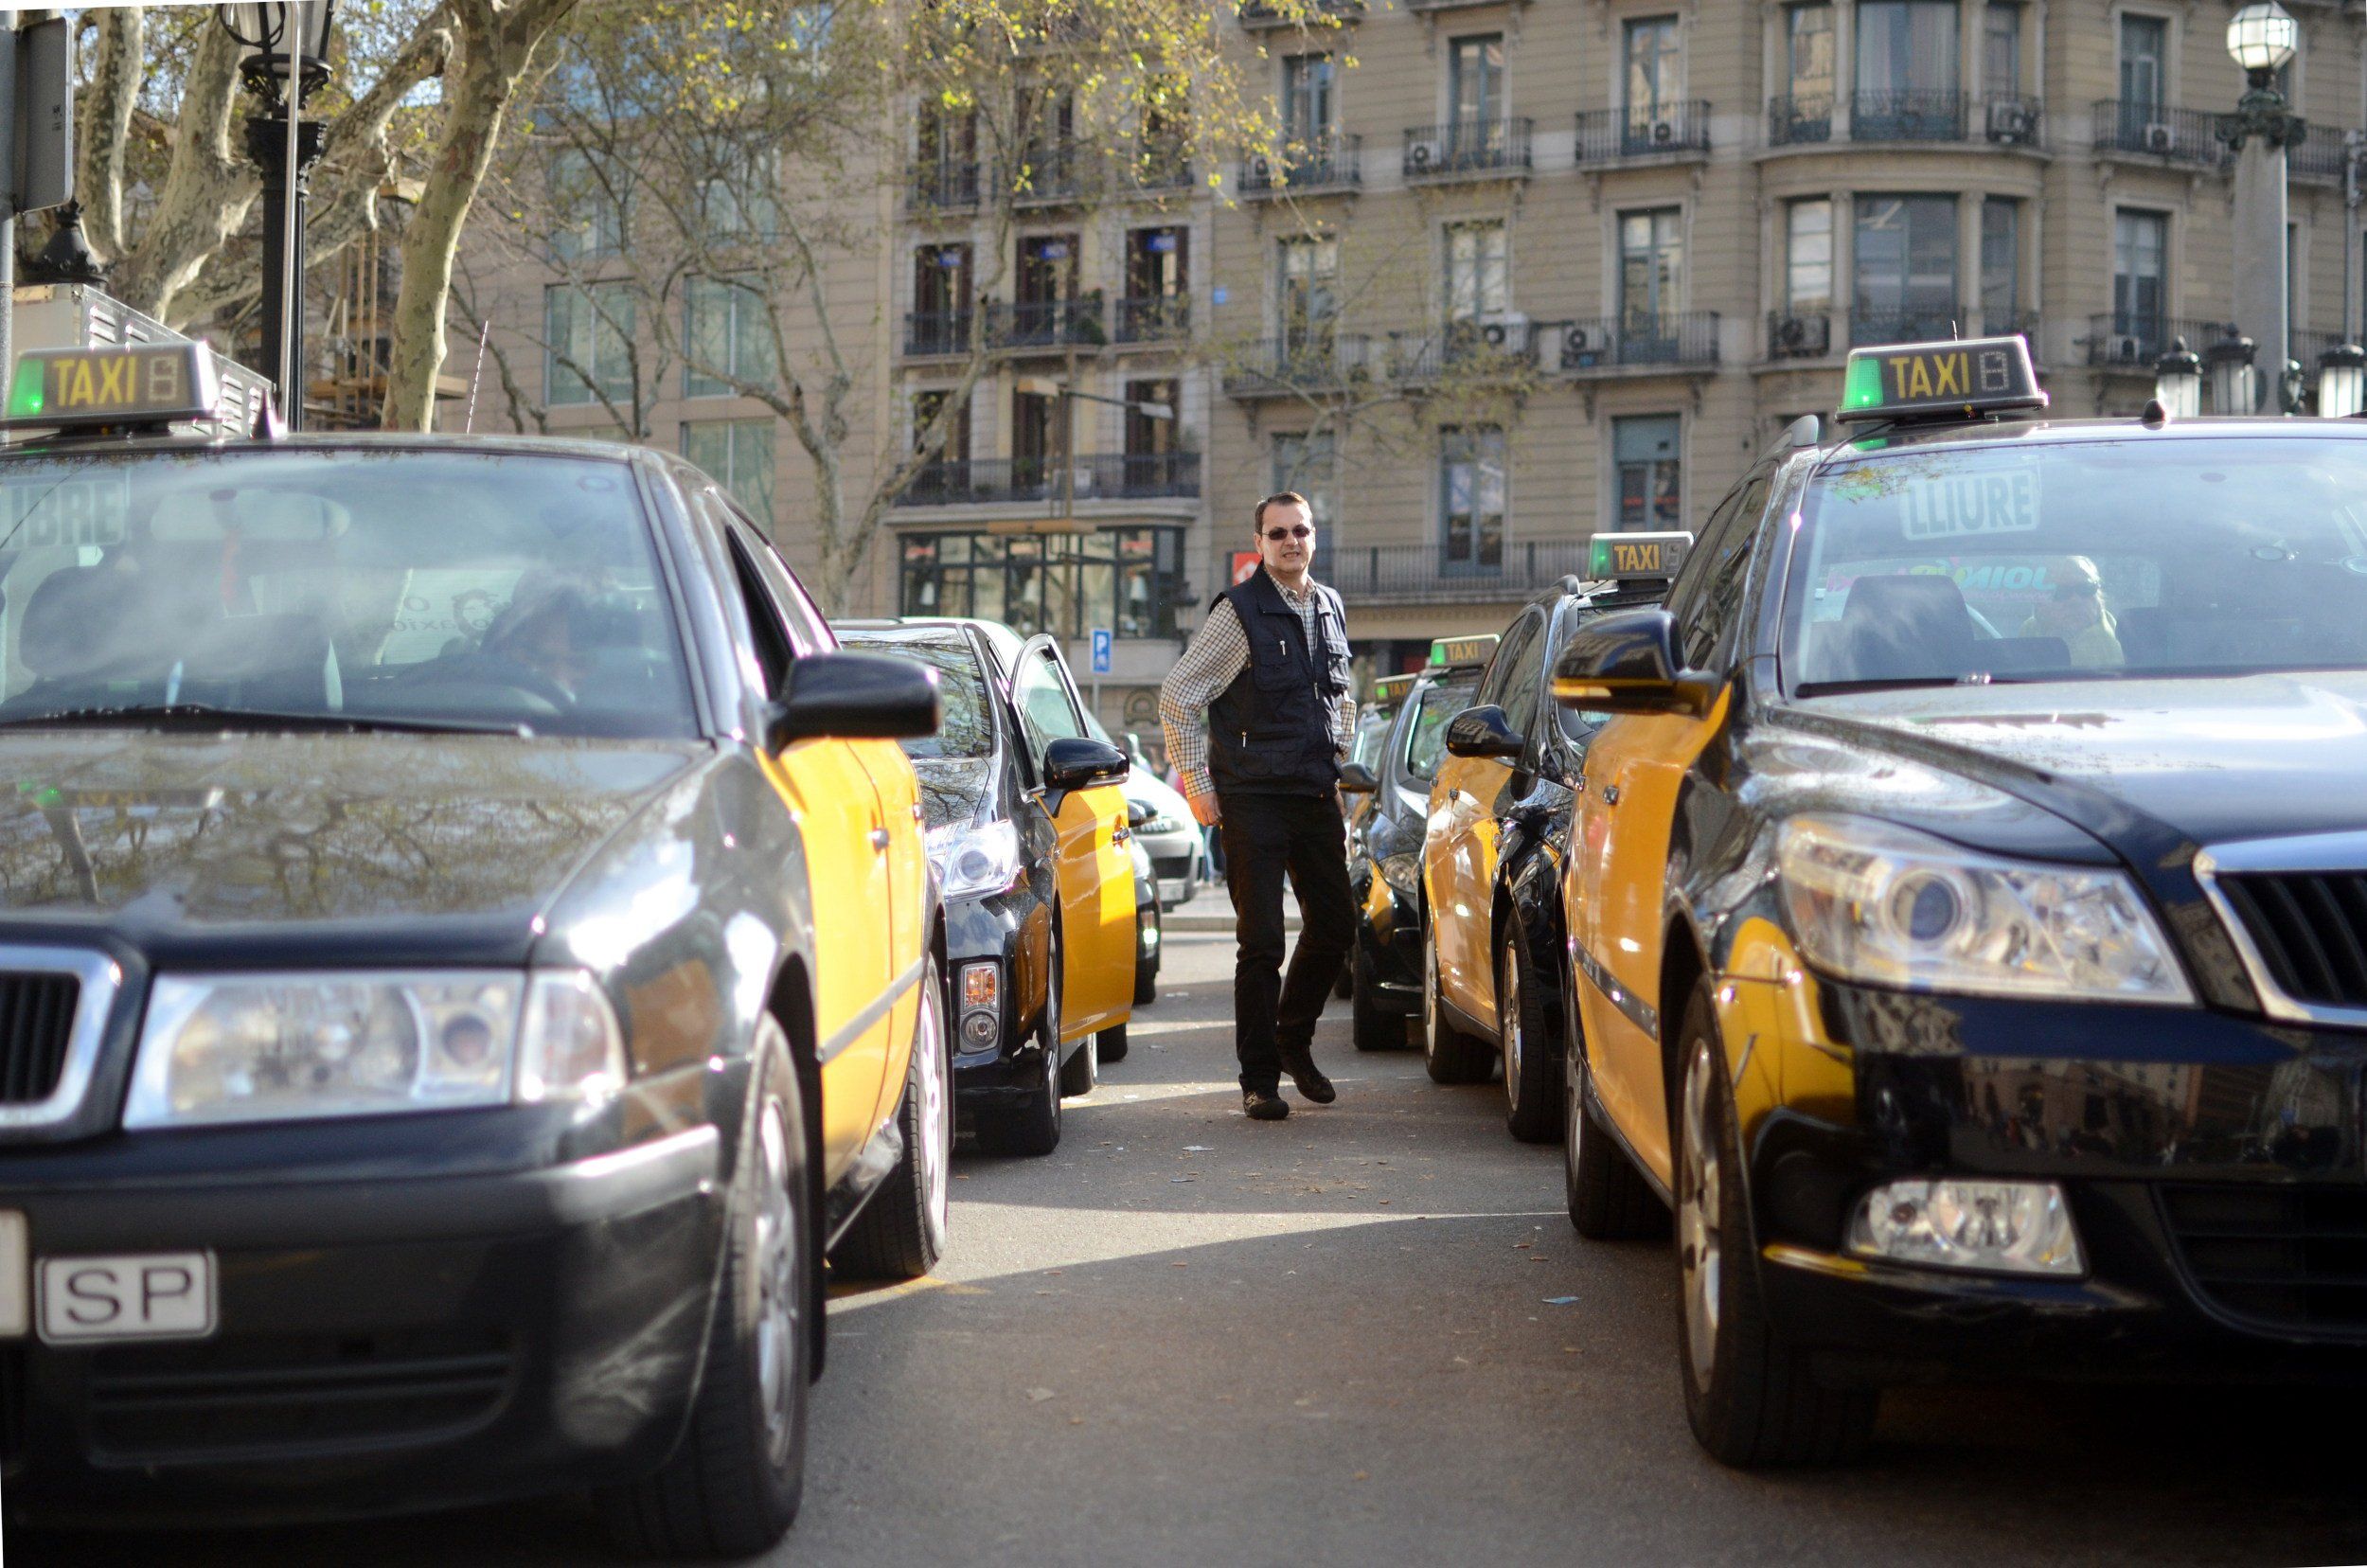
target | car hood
[
  {"x": 2213, "y": 760},
  {"x": 282, "y": 846},
  {"x": 950, "y": 788}
]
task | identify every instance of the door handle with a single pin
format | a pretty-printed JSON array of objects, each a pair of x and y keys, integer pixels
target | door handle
[
  {"x": 1121, "y": 834},
  {"x": 1611, "y": 795},
  {"x": 916, "y": 810},
  {"x": 879, "y": 841}
]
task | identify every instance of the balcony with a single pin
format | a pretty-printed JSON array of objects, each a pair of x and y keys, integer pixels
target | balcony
[
  {"x": 2151, "y": 133},
  {"x": 1498, "y": 350},
  {"x": 935, "y": 333},
  {"x": 1259, "y": 15},
  {"x": 948, "y": 186},
  {"x": 2131, "y": 340},
  {"x": 1799, "y": 334},
  {"x": 1326, "y": 163},
  {"x": 1304, "y": 366},
  {"x": 1158, "y": 171},
  {"x": 1009, "y": 481},
  {"x": 1603, "y": 345},
  {"x": 1907, "y": 116},
  {"x": 1799, "y": 121},
  {"x": 1877, "y": 327},
  {"x": 1039, "y": 324},
  {"x": 1468, "y": 149},
  {"x": 1659, "y": 132},
  {"x": 1154, "y": 318},
  {"x": 1499, "y": 571},
  {"x": 1053, "y": 175},
  {"x": 2322, "y": 154}
]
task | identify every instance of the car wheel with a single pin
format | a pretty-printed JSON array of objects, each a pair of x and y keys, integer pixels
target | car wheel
[
  {"x": 1448, "y": 1055},
  {"x": 1376, "y": 1028},
  {"x": 1608, "y": 1199},
  {"x": 1109, "y": 1044},
  {"x": 1752, "y": 1398},
  {"x": 734, "y": 1484},
  {"x": 1532, "y": 1062},
  {"x": 1083, "y": 1070},
  {"x": 900, "y": 1232},
  {"x": 1033, "y": 1127},
  {"x": 1147, "y": 962}
]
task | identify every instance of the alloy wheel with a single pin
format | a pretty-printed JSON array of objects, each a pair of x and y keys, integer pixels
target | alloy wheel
[
  {"x": 936, "y": 1119},
  {"x": 776, "y": 1253},
  {"x": 1698, "y": 1216},
  {"x": 1509, "y": 1023}
]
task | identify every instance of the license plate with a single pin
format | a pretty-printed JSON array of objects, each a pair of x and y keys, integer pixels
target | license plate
[{"x": 147, "y": 1296}]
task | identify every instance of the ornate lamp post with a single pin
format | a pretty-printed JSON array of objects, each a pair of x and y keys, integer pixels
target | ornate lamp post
[
  {"x": 2262, "y": 39},
  {"x": 2177, "y": 380},
  {"x": 2342, "y": 381},
  {"x": 286, "y": 57},
  {"x": 2235, "y": 383}
]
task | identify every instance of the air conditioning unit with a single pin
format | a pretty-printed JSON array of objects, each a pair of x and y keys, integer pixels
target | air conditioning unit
[
  {"x": 1502, "y": 331},
  {"x": 2160, "y": 138},
  {"x": 1261, "y": 172},
  {"x": 1792, "y": 332},
  {"x": 1581, "y": 347},
  {"x": 2128, "y": 349},
  {"x": 1664, "y": 132},
  {"x": 1422, "y": 156},
  {"x": 2011, "y": 123}
]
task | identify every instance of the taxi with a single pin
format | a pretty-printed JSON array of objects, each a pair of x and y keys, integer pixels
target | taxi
[
  {"x": 1494, "y": 839},
  {"x": 467, "y": 948},
  {"x": 1391, "y": 791},
  {"x": 1375, "y": 719},
  {"x": 1968, "y": 906}
]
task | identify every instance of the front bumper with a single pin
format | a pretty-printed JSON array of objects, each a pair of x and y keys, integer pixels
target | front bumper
[
  {"x": 381, "y": 1344},
  {"x": 1175, "y": 860},
  {"x": 1013, "y": 932}
]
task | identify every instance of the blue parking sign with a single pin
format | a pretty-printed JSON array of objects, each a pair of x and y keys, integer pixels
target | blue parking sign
[{"x": 1101, "y": 650}]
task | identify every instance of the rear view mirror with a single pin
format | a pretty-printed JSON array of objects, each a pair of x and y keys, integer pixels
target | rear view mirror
[
  {"x": 1627, "y": 662},
  {"x": 854, "y": 697},
  {"x": 1483, "y": 731},
  {"x": 1356, "y": 778}
]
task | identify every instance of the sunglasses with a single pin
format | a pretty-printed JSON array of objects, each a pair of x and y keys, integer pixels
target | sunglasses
[{"x": 1278, "y": 535}]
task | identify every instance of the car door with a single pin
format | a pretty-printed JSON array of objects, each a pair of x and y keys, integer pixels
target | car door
[
  {"x": 1472, "y": 790},
  {"x": 830, "y": 795},
  {"x": 1636, "y": 769},
  {"x": 1096, "y": 870}
]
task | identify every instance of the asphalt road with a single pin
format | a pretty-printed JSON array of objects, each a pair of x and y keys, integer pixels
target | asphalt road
[{"x": 1368, "y": 1335}]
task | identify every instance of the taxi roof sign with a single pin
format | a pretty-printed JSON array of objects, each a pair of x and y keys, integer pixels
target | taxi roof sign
[
  {"x": 1392, "y": 688},
  {"x": 1622, "y": 557},
  {"x": 1950, "y": 380},
  {"x": 148, "y": 383},
  {"x": 1447, "y": 651}
]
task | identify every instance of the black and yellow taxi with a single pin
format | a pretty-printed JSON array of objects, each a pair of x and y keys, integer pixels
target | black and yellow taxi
[
  {"x": 1968, "y": 906},
  {"x": 1392, "y": 794},
  {"x": 1374, "y": 718},
  {"x": 467, "y": 949},
  {"x": 1494, "y": 844}
]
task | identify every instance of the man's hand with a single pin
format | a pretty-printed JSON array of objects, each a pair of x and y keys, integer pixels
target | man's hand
[{"x": 1204, "y": 809}]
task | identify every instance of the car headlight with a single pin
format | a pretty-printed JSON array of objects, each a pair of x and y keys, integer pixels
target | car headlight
[
  {"x": 1894, "y": 908},
  {"x": 976, "y": 860},
  {"x": 274, "y": 1048},
  {"x": 1403, "y": 872}
]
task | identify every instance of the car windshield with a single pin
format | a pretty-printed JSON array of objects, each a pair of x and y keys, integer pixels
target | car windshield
[
  {"x": 967, "y": 730},
  {"x": 1372, "y": 733},
  {"x": 394, "y": 585},
  {"x": 2055, "y": 562},
  {"x": 1426, "y": 737}
]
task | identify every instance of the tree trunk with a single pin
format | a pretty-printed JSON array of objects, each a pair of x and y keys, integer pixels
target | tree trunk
[
  {"x": 207, "y": 192},
  {"x": 107, "y": 105}
]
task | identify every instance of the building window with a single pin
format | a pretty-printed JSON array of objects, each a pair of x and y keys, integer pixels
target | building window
[
  {"x": 1809, "y": 254},
  {"x": 742, "y": 201},
  {"x": 925, "y": 407},
  {"x": 587, "y": 208},
  {"x": 2141, "y": 250},
  {"x": 1904, "y": 281},
  {"x": 1308, "y": 104},
  {"x": 1477, "y": 279},
  {"x": 1129, "y": 579},
  {"x": 1805, "y": 114},
  {"x": 1651, "y": 272},
  {"x": 1654, "y": 73},
  {"x": 1310, "y": 289},
  {"x": 1644, "y": 457},
  {"x": 1471, "y": 484},
  {"x": 727, "y": 338},
  {"x": 738, "y": 455},
  {"x": 2000, "y": 49},
  {"x": 1035, "y": 434},
  {"x": 2000, "y": 265},
  {"x": 1475, "y": 83},
  {"x": 1907, "y": 87},
  {"x": 2144, "y": 54},
  {"x": 1303, "y": 462},
  {"x": 587, "y": 337}
]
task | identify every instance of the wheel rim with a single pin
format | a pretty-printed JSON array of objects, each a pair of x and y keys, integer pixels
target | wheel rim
[
  {"x": 1697, "y": 1219},
  {"x": 779, "y": 1310},
  {"x": 936, "y": 1120},
  {"x": 1573, "y": 1112},
  {"x": 1052, "y": 1030},
  {"x": 1508, "y": 1025},
  {"x": 1429, "y": 1001}
]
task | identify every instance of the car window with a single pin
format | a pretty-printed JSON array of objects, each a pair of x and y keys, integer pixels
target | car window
[
  {"x": 808, "y": 629},
  {"x": 770, "y": 637},
  {"x": 1518, "y": 692},
  {"x": 1372, "y": 733},
  {"x": 1706, "y": 630},
  {"x": 476, "y": 587},
  {"x": 1426, "y": 733},
  {"x": 1576, "y": 723},
  {"x": 968, "y": 728},
  {"x": 1497, "y": 679},
  {"x": 1042, "y": 699}
]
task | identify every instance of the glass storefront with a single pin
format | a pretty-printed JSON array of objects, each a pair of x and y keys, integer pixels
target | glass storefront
[{"x": 1125, "y": 578}]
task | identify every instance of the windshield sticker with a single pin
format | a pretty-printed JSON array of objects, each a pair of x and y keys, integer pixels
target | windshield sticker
[
  {"x": 1954, "y": 505},
  {"x": 444, "y": 611},
  {"x": 90, "y": 510}
]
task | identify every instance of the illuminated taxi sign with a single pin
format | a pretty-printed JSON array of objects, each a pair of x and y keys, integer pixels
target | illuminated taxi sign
[
  {"x": 156, "y": 384},
  {"x": 1391, "y": 690},
  {"x": 1619, "y": 557},
  {"x": 1945, "y": 380},
  {"x": 1462, "y": 650}
]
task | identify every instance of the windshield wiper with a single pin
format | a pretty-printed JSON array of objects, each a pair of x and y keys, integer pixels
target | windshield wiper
[
  {"x": 1895, "y": 683},
  {"x": 209, "y": 714}
]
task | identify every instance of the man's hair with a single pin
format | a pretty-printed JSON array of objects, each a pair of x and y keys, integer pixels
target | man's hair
[{"x": 1280, "y": 498}]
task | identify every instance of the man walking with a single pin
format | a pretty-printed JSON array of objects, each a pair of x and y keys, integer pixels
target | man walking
[{"x": 1269, "y": 669}]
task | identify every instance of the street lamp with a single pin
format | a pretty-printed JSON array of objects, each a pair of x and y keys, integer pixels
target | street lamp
[
  {"x": 286, "y": 57},
  {"x": 2177, "y": 380},
  {"x": 2234, "y": 384},
  {"x": 2262, "y": 38},
  {"x": 2342, "y": 382}
]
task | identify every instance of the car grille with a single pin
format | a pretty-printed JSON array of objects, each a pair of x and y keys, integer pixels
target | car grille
[
  {"x": 1168, "y": 868},
  {"x": 2293, "y": 1257},
  {"x": 2310, "y": 930},
  {"x": 225, "y": 1397},
  {"x": 36, "y": 1020}
]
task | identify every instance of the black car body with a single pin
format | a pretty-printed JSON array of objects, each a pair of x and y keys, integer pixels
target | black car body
[
  {"x": 1818, "y": 803},
  {"x": 417, "y": 1307}
]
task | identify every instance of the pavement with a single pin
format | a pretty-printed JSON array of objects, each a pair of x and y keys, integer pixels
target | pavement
[{"x": 1368, "y": 1335}]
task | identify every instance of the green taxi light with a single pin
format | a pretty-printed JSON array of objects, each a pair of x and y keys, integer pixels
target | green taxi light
[
  {"x": 1623, "y": 557},
  {"x": 25, "y": 399},
  {"x": 1955, "y": 380},
  {"x": 1862, "y": 384},
  {"x": 1461, "y": 650},
  {"x": 154, "y": 384}
]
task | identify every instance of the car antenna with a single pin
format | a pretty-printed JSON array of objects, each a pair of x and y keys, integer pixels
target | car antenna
[{"x": 269, "y": 426}]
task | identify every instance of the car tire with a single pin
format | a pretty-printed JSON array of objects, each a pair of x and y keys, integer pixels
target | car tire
[
  {"x": 1082, "y": 1072},
  {"x": 900, "y": 1232},
  {"x": 1448, "y": 1055},
  {"x": 1374, "y": 1026},
  {"x": 1032, "y": 1127},
  {"x": 1532, "y": 1062},
  {"x": 733, "y": 1485},
  {"x": 1109, "y": 1044},
  {"x": 1753, "y": 1400},
  {"x": 1609, "y": 1198},
  {"x": 1146, "y": 974}
]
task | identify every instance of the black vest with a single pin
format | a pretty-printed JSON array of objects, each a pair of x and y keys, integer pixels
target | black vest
[{"x": 1270, "y": 731}]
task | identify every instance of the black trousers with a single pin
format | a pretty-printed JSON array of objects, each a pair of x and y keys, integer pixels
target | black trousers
[{"x": 1265, "y": 837}]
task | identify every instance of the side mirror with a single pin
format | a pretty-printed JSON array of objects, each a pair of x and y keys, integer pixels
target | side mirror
[
  {"x": 1627, "y": 662},
  {"x": 1482, "y": 732},
  {"x": 1079, "y": 763},
  {"x": 854, "y": 697},
  {"x": 1137, "y": 812},
  {"x": 1356, "y": 778}
]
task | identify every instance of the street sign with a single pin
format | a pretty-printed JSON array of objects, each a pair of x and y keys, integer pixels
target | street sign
[
  {"x": 1102, "y": 643},
  {"x": 1244, "y": 565}
]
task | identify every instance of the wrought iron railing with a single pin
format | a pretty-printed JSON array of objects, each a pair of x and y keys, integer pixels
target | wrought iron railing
[
  {"x": 1319, "y": 163},
  {"x": 1794, "y": 121},
  {"x": 1636, "y": 340},
  {"x": 1467, "y": 147},
  {"x": 1487, "y": 569},
  {"x": 944, "y": 184},
  {"x": 1926, "y": 115},
  {"x": 1875, "y": 325},
  {"x": 2004, "y": 121},
  {"x": 1046, "y": 323},
  {"x": 2129, "y": 128},
  {"x": 1799, "y": 334},
  {"x": 1054, "y": 172},
  {"x": 2133, "y": 340},
  {"x": 1606, "y": 136},
  {"x": 2323, "y": 154},
  {"x": 1000, "y": 481},
  {"x": 1302, "y": 363},
  {"x": 1262, "y": 13},
  {"x": 1154, "y": 318},
  {"x": 936, "y": 332}
]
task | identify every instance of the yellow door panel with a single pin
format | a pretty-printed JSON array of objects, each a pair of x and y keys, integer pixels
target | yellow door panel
[
  {"x": 906, "y": 866},
  {"x": 1097, "y": 914},
  {"x": 829, "y": 793}
]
